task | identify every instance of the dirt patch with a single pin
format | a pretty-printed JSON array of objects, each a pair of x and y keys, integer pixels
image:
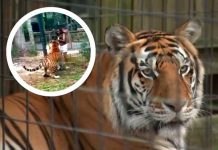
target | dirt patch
[{"x": 77, "y": 65}]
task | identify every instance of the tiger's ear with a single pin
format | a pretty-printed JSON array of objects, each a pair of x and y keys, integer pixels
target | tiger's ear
[
  {"x": 191, "y": 30},
  {"x": 118, "y": 36}
]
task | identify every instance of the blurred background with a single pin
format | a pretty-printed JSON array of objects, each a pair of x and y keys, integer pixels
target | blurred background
[{"x": 137, "y": 15}]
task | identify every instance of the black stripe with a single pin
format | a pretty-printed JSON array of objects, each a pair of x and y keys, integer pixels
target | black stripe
[
  {"x": 47, "y": 137},
  {"x": 134, "y": 102},
  {"x": 170, "y": 39},
  {"x": 172, "y": 142},
  {"x": 132, "y": 49},
  {"x": 161, "y": 46},
  {"x": 131, "y": 111},
  {"x": 42, "y": 128},
  {"x": 88, "y": 145},
  {"x": 133, "y": 59},
  {"x": 10, "y": 146},
  {"x": 133, "y": 92},
  {"x": 170, "y": 55},
  {"x": 153, "y": 32},
  {"x": 21, "y": 134},
  {"x": 121, "y": 75},
  {"x": 146, "y": 43},
  {"x": 33, "y": 69},
  {"x": 8, "y": 132},
  {"x": 178, "y": 52},
  {"x": 57, "y": 108},
  {"x": 69, "y": 140},
  {"x": 197, "y": 70},
  {"x": 173, "y": 45},
  {"x": 122, "y": 92},
  {"x": 156, "y": 126},
  {"x": 81, "y": 147},
  {"x": 116, "y": 107},
  {"x": 142, "y": 63},
  {"x": 45, "y": 133},
  {"x": 150, "y": 48},
  {"x": 152, "y": 35},
  {"x": 144, "y": 36},
  {"x": 130, "y": 74},
  {"x": 14, "y": 139}
]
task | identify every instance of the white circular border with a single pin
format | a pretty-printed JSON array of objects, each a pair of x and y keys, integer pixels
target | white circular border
[{"x": 91, "y": 42}]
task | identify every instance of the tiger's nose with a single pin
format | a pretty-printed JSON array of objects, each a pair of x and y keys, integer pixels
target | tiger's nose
[{"x": 175, "y": 106}]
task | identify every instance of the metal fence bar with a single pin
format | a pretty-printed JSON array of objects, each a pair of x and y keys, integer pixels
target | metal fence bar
[
  {"x": 2, "y": 73},
  {"x": 211, "y": 62},
  {"x": 208, "y": 80},
  {"x": 52, "y": 121},
  {"x": 74, "y": 120},
  {"x": 27, "y": 120}
]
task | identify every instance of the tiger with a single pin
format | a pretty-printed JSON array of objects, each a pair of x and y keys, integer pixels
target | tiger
[
  {"x": 50, "y": 62},
  {"x": 143, "y": 93},
  {"x": 53, "y": 47}
]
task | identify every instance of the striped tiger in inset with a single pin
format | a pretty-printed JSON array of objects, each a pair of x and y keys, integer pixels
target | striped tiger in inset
[{"x": 50, "y": 62}]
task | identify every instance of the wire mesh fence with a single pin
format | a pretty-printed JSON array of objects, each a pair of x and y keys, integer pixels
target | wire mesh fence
[{"x": 137, "y": 15}]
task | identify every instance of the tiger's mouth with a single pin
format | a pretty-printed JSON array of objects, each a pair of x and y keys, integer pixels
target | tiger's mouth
[
  {"x": 171, "y": 124},
  {"x": 177, "y": 122}
]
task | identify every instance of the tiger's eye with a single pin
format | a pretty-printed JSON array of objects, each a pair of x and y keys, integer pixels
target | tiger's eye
[
  {"x": 147, "y": 71},
  {"x": 184, "y": 68}
]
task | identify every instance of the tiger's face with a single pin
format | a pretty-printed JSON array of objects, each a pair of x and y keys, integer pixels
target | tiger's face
[
  {"x": 54, "y": 46},
  {"x": 156, "y": 78},
  {"x": 163, "y": 82}
]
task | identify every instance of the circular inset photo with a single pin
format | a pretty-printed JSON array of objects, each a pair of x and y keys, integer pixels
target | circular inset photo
[{"x": 51, "y": 51}]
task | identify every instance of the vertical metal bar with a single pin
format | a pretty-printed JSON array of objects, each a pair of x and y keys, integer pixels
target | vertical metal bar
[
  {"x": 2, "y": 71},
  {"x": 208, "y": 79},
  {"x": 42, "y": 33},
  {"x": 52, "y": 121},
  {"x": 132, "y": 20},
  {"x": 176, "y": 12},
  {"x": 194, "y": 8},
  {"x": 100, "y": 24},
  {"x": 100, "y": 110},
  {"x": 27, "y": 121},
  {"x": 100, "y": 127},
  {"x": 142, "y": 17},
  {"x": 164, "y": 12},
  {"x": 189, "y": 8},
  {"x": 100, "y": 106},
  {"x": 27, "y": 96},
  {"x": 120, "y": 20},
  {"x": 212, "y": 64},
  {"x": 97, "y": 22},
  {"x": 150, "y": 9},
  {"x": 74, "y": 120}
]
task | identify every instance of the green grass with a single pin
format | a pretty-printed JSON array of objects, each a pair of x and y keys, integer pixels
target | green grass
[{"x": 67, "y": 77}]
